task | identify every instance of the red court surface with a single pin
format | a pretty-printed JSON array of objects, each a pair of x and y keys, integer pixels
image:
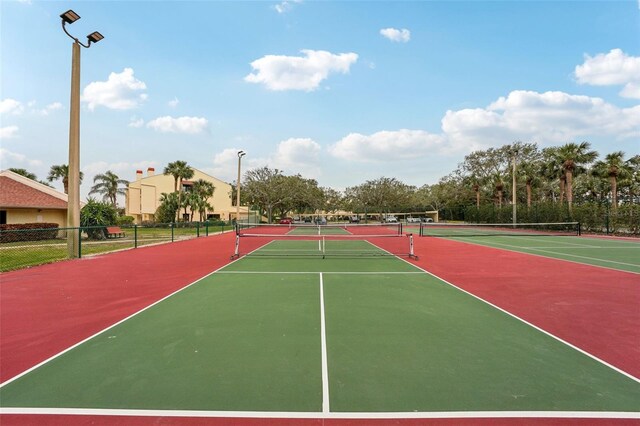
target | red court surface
[{"x": 46, "y": 309}]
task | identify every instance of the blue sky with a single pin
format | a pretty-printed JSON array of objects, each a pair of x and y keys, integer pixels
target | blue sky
[{"x": 342, "y": 92}]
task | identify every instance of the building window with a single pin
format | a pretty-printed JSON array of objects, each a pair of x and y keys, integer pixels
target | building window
[{"x": 3, "y": 217}]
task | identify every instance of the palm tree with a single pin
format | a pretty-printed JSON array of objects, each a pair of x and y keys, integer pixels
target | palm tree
[
  {"x": 203, "y": 190},
  {"x": 530, "y": 171},
  {"x": 613, "y": 167},
  {"x": 179, "y": 170},
  {"x": 62, "y": 172},
  {"x": 498, "y": 183},
  {"x": 573, "y": 157},
  {"x": 108, "y": 186}
]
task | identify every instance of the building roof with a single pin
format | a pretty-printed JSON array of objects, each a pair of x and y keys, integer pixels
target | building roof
[{"x": 17, "y": 191}]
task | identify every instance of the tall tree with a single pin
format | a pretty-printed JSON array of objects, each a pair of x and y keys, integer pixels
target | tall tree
[
  {"x": 24, "y": 172},
  {"x": 179, "y": 170},
  {"x": 613, "y": 167},
  {"x": 108, "y": 185},
  {"x": 202, "y": 191},
  {"x": 264, "y": 188},
  {"x": 574, "y": 157},
  {"x": 62, "y": 172}
]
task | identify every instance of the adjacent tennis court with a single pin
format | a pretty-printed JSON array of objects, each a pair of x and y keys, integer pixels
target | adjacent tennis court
[{"x": 338, "y": 322}]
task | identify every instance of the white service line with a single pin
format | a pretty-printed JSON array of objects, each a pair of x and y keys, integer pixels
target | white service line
[
  {"x": 323, "y": 339},
  {"x": 318, "y": 415}
]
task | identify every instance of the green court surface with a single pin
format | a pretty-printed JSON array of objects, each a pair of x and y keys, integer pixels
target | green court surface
[
  {"x": 306, "y": 334},
  {"x": 621, "y": 254}
]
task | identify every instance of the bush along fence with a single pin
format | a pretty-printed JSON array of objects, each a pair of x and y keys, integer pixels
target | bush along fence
[
  {"x": 594, "y": 218},
  {"x": 33, "y": 244}
]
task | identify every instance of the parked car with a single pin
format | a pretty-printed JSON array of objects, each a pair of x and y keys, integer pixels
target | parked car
[
  {"x": 354, "y": 219},
  {"x": 390, "y": 219},
  {"x": 320, "y": 220},
  {"x": 413, "y": 220},
  {"x": 286, "y": 221},
  {"x": 427, "y": 219}
]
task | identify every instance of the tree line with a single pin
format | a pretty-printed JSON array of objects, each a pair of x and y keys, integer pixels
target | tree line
[{"x": 560, "y": 176}]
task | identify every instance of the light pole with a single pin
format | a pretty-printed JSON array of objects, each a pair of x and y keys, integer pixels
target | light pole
[
  {"x": 240, "y": 155},
  {"x": 73, "y": 204},
  {"x": 513, "y": 189}
]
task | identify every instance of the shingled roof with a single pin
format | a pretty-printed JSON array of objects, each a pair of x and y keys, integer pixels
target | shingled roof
[{"x": 17, "y": 191}]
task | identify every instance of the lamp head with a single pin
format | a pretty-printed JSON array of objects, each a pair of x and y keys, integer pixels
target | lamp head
[
  {"x": 241, "y": 154},
  {"x": 70, "y": 16},
  {"x": 95, "y": 37}
]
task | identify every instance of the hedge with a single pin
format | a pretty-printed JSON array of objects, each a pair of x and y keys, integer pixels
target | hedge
[{"x": 28, "y": 232}]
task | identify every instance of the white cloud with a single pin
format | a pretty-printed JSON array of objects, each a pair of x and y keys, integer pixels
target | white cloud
[
  {"x": 136, "y": 122},
  {"x": 12, "y": 159},
  {"x": 549, "y": 118},
  {"x": 49, "y": 108},
  {"x": 168, "y": 124},
  {"x": 285, "y": 6},
  {"x": 386, "y": 145},
  {"x": 8, "y": 132},
  {"x": 292, "y": 156},
  {"x": 298, "y": 155},
  {"x": 173, "y": 103},
  {"x": 306, "y": 72},
  {"x": 613, "y": 68},
  {"x": 120, "y": 91},
  {"x": 399, "y": 36},
  {"x": 11, "y": 106}
]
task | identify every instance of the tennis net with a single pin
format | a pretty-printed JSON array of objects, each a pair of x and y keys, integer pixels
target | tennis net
[
  {"x": 499, "y": 229},
  {"x": 323, "y": 241}
]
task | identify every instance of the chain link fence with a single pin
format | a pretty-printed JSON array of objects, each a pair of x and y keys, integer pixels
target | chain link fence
[{"x": 20, "y": 248}]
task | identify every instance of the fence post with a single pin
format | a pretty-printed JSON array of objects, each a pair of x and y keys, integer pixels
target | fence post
[
  {"x": 172, "y": 223},
  {"x": 607, "y": 218},
  {"x": 135, "y": 236},
  {"x": 206, "y": 228},
  {"x": 79, "y": 242},
  {"x": 197, "y": 229}
]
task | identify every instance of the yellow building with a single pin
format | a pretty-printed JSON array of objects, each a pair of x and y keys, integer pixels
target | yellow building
[
  {"x": 23, "y": 200},
  {"x": 143, "y": 196}
]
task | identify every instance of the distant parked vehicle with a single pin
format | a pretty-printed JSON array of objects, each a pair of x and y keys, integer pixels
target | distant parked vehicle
[
  {"x": 427, "y": 219},
  {"x": 354, "y": 219},
  {"x": 286, "y": 221},
  {"x": 320, "y": 220},
  {"x": 413, "y": 220},
  {"x": 390, "y": 219}
]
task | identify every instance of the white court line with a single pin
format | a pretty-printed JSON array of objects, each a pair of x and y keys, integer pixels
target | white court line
[
  {"x": 323, "y": 337},
  {"x": 323, "y": 415}
]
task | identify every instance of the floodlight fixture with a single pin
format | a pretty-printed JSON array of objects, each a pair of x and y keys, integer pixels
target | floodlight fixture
[
  {"x": 70, "y": 16},
  {"x": 95, "y": 37},
  {"x": 241, "y": 154}
]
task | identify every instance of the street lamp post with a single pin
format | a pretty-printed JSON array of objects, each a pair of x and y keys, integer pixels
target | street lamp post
[
  {"x": 240, "y": 155},
  {"x": 73, "y": 204},
  {"x": 513, "y": 189}
]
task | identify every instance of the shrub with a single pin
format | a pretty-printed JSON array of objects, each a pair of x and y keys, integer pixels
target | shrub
[
  {"x": 28, "y": 232},
  {"x": 125, "y": 220},
  {"x": 95, "y": 216}
]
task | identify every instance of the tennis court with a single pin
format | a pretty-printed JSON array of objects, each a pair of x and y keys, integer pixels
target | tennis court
[{"x": 345, "y": 323}]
